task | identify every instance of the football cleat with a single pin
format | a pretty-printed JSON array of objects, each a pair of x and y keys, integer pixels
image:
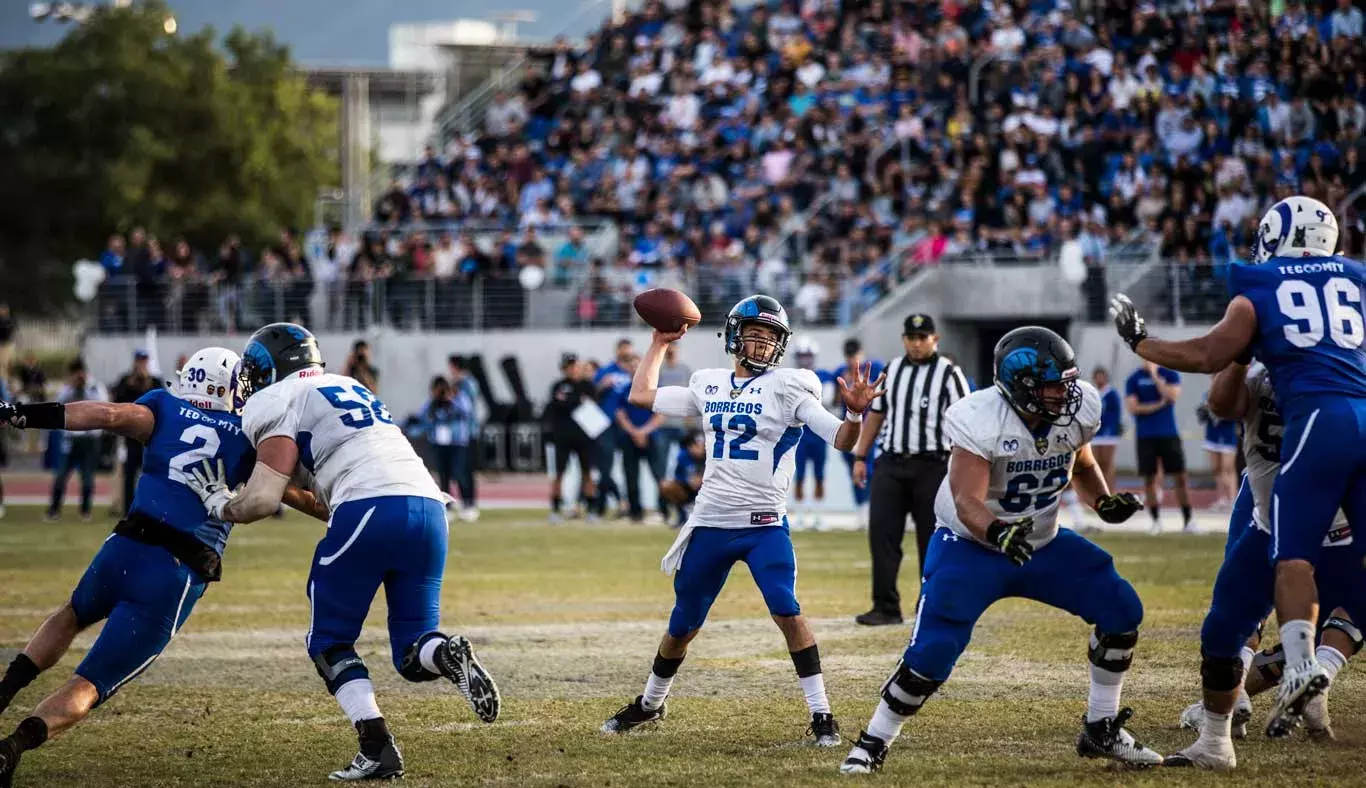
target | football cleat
[
  {"x": 9, "y": 761},
  {"x": 1317, "y": 723},
  {"x": 1202, "y": 755},
  {"x": 457, "y": 662},
  {"x": 866, "y": 757},
  {"x": 1106, "y": 738},
  {"x": 1193, "y": 717},
  {"x": 389, "y": 766},
  {"x": 825, "y": 729},
  {"x": 633, "y": 715},
  {"x": 1299, "y": 684}
]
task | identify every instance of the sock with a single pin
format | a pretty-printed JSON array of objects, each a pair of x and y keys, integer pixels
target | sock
[
  {"x": 374, "y": 734},
  {"x": 1152, "y": 511},
  {"x": 1103, "y": 698},
  {"x": 555, "y": 503},
  {"x": 808, "y": 665},
  {"x": 661, "y": 679},
  {"x": 427, "y": 654},
  {"x": 1297, "y": 636},
  {"x": 1245, "y": 656},
  {"x": 1217, "y": 732},
  {"x": 886, "y": 724},
  {"x": 357, "y": 699},
  {"x": 1185, "y": 515},
  {"x": 1331, "y": 659},
  {"x": 20, "y": 674}
]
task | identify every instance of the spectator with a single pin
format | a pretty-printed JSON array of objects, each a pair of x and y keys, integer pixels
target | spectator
[
  {"x": 571, "y": 258},
  {"x": 449, "y": 419},
  {"x": 612, "y": 383},
  {"x": 640, "y": 441},
  {"x": 5, "y": 396},
  {"x": 358, "y": 366},
  {"x": 1150, "y": 396},
  {"x": 1346, "y": 20},
  {"x": 8, "y": 328},
  {"x": 80, "y": 451},
  {"x": 32, "y": 388},
  {"x": 690, "y": 464},
  {"x": 228, "y": 275},
  {"x": 463, "y": 384},
  {"x": 1106, "y": 441},
  {"x": 130, "y": 388}
]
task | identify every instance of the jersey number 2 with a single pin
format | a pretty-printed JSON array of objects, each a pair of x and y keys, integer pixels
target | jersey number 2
[
  {"x": 1299, "y": 301},
  {"x": 738, "y": 423},
  {"x": 204, "y": 442},
  {"x": 362, "y": 408},
  {"x": 1025, "y": 489}
]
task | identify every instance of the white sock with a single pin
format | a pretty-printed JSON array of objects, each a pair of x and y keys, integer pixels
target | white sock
[
  {"x": 886, "y": 724},
  {"x": 656, "y": 690},
  {"x": 427, "y": 654},
  {"x": 1245, "y": 656},
  {"x": 1103, "y": 698},
  {"x": 1331, "y": 659},
  {"x": 1297, "y": 636},
  {"x": 357, "y": 699},
  {"x": 1217, "y": 731},
  {"x": 814, "y": 689}
]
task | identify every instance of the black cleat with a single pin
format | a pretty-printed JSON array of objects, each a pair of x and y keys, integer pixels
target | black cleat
[
  {"x": 633, "y": 715},
  {"x": 9, "y": 761},
  {"x": 825, "y": 729},
  {"x": 866, "y": 757},
  {"x": 388, "y": 767},
  {"x": 1107, "y": 738},
  {"x": 457, "y": 662},
  {"x": 877, "y": 618}
]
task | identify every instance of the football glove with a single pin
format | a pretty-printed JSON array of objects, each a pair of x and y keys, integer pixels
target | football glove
[
  {"x": 208, "y": 480},
  {"x": 7, "y": 413},
  {"x": 1128, "y": 322},
  {"x": 1116, "y": 508},
  {"x": 1011, "y": 539}
]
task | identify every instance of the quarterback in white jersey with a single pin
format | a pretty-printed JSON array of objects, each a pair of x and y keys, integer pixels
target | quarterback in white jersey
[
  {"x": 387, "y": 527},
  {"x": 753, "y": 416},
  {"x": 1243, "y": 590},
  {"x": 1015, "y": 448}
]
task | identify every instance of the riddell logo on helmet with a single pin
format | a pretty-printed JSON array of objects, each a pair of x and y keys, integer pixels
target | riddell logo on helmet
[{"x": 310, "y": 372}]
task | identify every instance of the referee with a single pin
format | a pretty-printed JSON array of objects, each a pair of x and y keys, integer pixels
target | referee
[{"x": 914, "y": 456}]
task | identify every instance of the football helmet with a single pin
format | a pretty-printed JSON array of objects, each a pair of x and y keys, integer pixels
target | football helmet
[
  {"x": 209, "y": 380},
  {"x": 757, "y": 310},
  {"x": 274, "y": 353},
  {"x": 1028, "y": 360},
  {"x": 1296, "y": 227}
]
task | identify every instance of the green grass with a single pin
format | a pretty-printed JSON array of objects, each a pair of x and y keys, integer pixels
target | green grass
[{"x": 567, "y": 620}]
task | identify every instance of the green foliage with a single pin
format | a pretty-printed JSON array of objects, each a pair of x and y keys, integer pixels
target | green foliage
[{"x": 122, "y": 125}]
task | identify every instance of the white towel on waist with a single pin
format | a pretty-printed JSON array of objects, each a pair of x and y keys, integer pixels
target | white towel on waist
[{"x": 674, "y": 558}]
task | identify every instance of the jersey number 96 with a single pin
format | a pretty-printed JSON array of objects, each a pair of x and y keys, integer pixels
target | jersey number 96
[{"x": 362, "y": 408}]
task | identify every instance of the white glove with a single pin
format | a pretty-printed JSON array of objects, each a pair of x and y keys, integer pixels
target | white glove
[{"x": 209, "y": 481}]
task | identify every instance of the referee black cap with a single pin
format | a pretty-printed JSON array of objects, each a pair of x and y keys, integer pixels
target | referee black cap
[
  {"x": 568, "y": 358},
  {"x": 918, "y": 323}
]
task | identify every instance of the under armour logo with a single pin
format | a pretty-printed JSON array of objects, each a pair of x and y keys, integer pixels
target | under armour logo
[{"x": 950, "y": 536}]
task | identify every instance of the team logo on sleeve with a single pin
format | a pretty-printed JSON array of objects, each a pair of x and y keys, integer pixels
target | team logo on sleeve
[
  {"x": 713, "y": 389},
  {"x": 1010, "y": 446}
]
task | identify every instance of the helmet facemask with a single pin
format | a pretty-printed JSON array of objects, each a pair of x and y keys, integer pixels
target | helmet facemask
[{"x": 760, "y": 345}]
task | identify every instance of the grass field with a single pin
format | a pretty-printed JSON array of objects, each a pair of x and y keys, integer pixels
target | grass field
[{"x": 567, "y": 620}]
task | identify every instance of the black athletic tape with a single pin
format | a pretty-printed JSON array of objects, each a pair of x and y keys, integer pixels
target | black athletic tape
[
  {"x": 807, "y": 661},
  {"x": 1104, "y": 643},
  {"x": 1346, "y": 627},
  {"x": 666, "y": 667},
  {"x": 1220, "y": 674},
  {"x": 410, "y": 667}
]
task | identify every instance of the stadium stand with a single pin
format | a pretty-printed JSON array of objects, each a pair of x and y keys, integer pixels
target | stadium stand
[{"x": 822, "y": 151}]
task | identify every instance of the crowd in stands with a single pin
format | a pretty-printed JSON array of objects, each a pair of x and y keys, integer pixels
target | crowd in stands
[{"x": 822, "y": 151}]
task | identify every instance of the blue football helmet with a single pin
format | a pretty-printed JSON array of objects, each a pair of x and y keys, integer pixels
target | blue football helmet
[
  {"x": 1028, "y": 360},
  {"x": 757, "y": 310},
  {"x": 275, "y": 352}
]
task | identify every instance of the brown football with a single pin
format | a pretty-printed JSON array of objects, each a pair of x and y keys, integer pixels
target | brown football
[{"x": 667, "y": 309}]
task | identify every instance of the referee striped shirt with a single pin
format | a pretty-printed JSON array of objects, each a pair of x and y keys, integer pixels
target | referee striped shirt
[{"x": 913, "y": 407}]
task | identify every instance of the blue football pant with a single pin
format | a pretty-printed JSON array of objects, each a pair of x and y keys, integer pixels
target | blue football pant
[{"x": 711, "y": 552}]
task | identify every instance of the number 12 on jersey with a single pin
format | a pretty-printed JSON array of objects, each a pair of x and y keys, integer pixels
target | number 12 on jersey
[{"x": 739, "y": 423}]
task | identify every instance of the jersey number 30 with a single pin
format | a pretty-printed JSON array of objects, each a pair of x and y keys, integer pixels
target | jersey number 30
[
  {"x": 1299, "y": 301},
  {"x": 362, "y": 408}
]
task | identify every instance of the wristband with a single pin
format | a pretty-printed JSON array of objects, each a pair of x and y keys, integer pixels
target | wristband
[
  {"x": 852, "y": 417},
  {"x": 860, "y": 457}
]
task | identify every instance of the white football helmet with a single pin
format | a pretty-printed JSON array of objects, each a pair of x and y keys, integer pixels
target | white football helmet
[
  {"x": 1296, "y": 227},
  {"x": 209, "y": 380}
]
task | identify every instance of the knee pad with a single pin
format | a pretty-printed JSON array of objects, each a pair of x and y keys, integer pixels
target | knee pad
[
  {"x": 1270, "y": 663},
  {"x": 338, "y": 665},
  {"x": 410, "y": 664},
  {"x": 906, "y": 691},
  {"x": 1351, "y": 630},
  {"x": 1112, "y": 652},
  {"x": 1220, "y": 674}
]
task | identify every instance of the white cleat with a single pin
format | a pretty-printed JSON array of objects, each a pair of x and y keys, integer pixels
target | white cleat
[
  {"x": 469, "y": 514},
  {"x": 1156, "y": 528},
  {"x": 555, "y": 518},
  {"x": 1107, "y": 738},
  {"x": 1204, "y": 756},
  {"x": 861, "y": 518},
  {"x": 817, "y": 523},
  {"x": 1300, "y": 684},
  {"x": 1193, "y": 717},
  {"x": 1317, "y": 723}
]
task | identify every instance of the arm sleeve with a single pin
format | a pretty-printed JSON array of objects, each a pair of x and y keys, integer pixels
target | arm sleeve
[
  {"x": 1089, "y": 413},
  {"x": 819, "y": 420},
  {"x": 958, "y": 430},
  {"x": 269, "y": 414}
]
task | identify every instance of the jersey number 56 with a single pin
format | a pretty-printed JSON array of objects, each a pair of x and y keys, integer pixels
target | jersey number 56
[{"x": 362, "y": 408}]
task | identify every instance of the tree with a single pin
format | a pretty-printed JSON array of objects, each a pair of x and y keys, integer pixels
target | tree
[{"x": 122, "y": 124}]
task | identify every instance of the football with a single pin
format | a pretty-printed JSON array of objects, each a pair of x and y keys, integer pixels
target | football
[{"x": 667, "y": 309}]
